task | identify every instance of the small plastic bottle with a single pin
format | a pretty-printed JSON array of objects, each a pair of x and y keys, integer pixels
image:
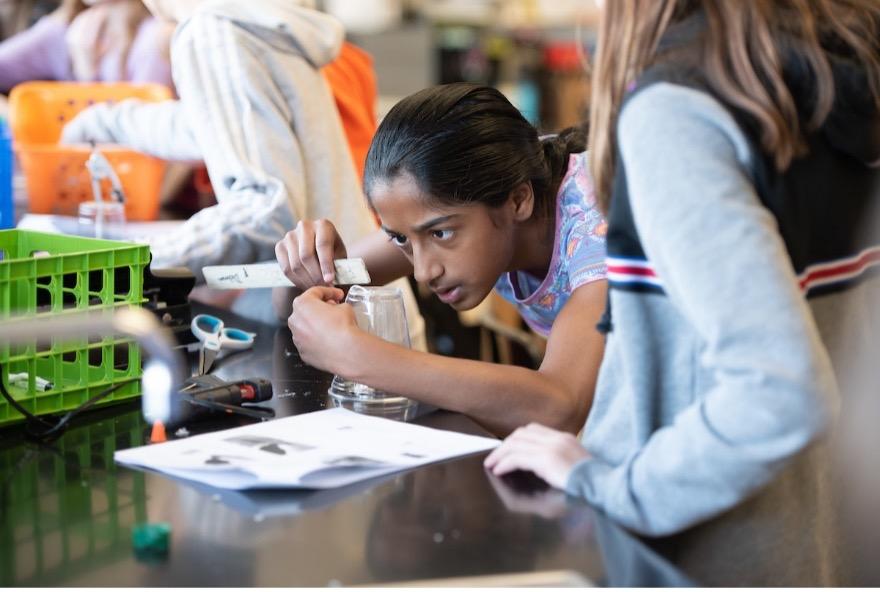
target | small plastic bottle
[{"x": 7, "y": 212}]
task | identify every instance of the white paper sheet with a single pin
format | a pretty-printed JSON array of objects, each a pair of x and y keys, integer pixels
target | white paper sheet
[{"x": 317, "y": 450}]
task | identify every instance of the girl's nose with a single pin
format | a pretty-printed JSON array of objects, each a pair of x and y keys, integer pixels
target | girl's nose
[{"x": 426, "y": 269}]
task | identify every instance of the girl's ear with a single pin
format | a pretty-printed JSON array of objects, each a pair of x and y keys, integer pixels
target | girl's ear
[{"x": 522, "y": 201}]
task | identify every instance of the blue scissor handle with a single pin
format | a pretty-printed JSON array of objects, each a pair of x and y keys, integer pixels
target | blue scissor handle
[
  {"x": 236, "y": 339},
  {"x": 207, "y": 324},
  {"x": 238, "y": 335},
  {"x": 210, "y": 330}
]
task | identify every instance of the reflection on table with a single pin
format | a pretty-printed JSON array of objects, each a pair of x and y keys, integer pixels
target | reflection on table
[{"x": 66, "y": 511}]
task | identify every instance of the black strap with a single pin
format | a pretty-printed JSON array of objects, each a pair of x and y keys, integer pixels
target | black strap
[{"x": 605, "y": 326}]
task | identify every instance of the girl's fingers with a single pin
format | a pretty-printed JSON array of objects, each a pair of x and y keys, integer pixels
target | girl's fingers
[
  {"x": 531, "y": 434},
  {"x": 307, "y": 255},
  {"x": 303, "y": 276},
  {"x": 326, "y": 243},
  {"x": 287, "y": 253},
  {"x": 500, "y": 452},
  {"x": 492, "y": 458},
  {"x": 281, "y": 256},
  {"x": 548, "y": 438},
  {"x": 514, "y": 462},
  {"x": 517, "y": 439},
  {"x": 543, "y": 462},
  {"x": 324, "y": 293},
  {"x": 510, "y": 447}
]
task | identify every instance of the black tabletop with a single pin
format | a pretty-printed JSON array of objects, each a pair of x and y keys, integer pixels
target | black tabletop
[{"x": 67, "y": 511}]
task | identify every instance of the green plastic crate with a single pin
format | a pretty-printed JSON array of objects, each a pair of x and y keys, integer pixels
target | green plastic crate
[{"x": 45, "y": 274}]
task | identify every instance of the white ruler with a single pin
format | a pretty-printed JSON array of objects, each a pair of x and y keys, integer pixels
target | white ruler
[{"x": 269, "y": 275}]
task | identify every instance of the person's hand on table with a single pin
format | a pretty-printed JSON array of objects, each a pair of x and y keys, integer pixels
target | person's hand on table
[
  {"x": 306, "y": 253},
  {"x": 107, "y": 27},
  {"x": 323, "y": 327},
  {"x": 548, "y": 453}
]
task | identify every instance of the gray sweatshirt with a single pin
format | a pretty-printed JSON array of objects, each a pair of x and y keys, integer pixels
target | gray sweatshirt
[{"x": 718, "y": 386}]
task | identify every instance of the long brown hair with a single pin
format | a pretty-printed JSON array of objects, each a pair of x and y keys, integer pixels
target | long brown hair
[{"x": 742, "y": 60}]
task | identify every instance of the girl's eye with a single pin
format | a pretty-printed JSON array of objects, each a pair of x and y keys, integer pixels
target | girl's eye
[
  {"x": 397, "y": 239},
  {"x": 442, "y": 234}
]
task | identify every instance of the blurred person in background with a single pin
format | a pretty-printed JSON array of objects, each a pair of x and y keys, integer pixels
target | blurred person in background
[
  {"x": 88, "y": 41},
  {"x": 280, "y": 109}
]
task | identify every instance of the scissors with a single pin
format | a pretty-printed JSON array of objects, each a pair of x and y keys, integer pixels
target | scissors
[{"x": 214, "y": 336}]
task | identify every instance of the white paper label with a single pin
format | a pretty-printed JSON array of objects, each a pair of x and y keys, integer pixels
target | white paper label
[{"x": 269, "y": 275}]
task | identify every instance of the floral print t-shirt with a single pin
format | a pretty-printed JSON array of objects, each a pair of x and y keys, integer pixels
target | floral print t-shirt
[{"x": 578, "y": 252}]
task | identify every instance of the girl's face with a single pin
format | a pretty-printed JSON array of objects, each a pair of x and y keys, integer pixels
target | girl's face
[{"x": 459, "y": 252}]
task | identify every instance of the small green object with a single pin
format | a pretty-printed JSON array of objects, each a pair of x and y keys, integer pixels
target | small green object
[
  {"x": 45, "y": 274},
  {"x": 151, "y": 540}
]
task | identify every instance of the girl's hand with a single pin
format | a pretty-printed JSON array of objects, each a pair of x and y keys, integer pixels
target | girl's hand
[
  {"x": 322, "y": 327},
  {"x": 306, "y": 253},
  {"x": 548, "y": 453}
]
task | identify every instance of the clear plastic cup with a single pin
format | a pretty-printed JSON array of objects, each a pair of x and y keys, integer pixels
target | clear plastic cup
[
  {"x": 380, "y": 312},
  {"x": 101, "y": 218}
]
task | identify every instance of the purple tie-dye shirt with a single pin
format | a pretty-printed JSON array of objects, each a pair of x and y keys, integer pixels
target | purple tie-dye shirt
[{"x": 578, "y": 252}]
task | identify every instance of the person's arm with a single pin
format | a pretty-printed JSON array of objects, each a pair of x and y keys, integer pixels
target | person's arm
[
  {"x": 499, "y": 397},
  {"x": 725, "y": 269},
  {"x": 160, "y": 129}
]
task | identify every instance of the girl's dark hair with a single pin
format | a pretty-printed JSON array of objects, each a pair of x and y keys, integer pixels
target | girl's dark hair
[{"x": 464, "y": 144}]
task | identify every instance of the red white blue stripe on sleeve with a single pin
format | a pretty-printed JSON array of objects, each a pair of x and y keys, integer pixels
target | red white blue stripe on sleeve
[
  {"x": 819, "y": 278},
  {"x": 632, "y": 274},
  {"x": 831, "y": 275}
]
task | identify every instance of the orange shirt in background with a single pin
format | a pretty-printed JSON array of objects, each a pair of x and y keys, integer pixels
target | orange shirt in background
[{"x": 353, "y": 82}]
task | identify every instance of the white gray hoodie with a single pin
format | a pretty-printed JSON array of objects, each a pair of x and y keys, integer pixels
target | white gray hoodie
[{"x": 254, "y": 106}]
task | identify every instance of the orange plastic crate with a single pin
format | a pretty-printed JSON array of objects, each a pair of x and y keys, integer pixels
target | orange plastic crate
[{"x": 56, "y": 177}]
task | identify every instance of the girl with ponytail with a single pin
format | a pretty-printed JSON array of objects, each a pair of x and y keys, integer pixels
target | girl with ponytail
[{"x": 470, "y": 199}]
